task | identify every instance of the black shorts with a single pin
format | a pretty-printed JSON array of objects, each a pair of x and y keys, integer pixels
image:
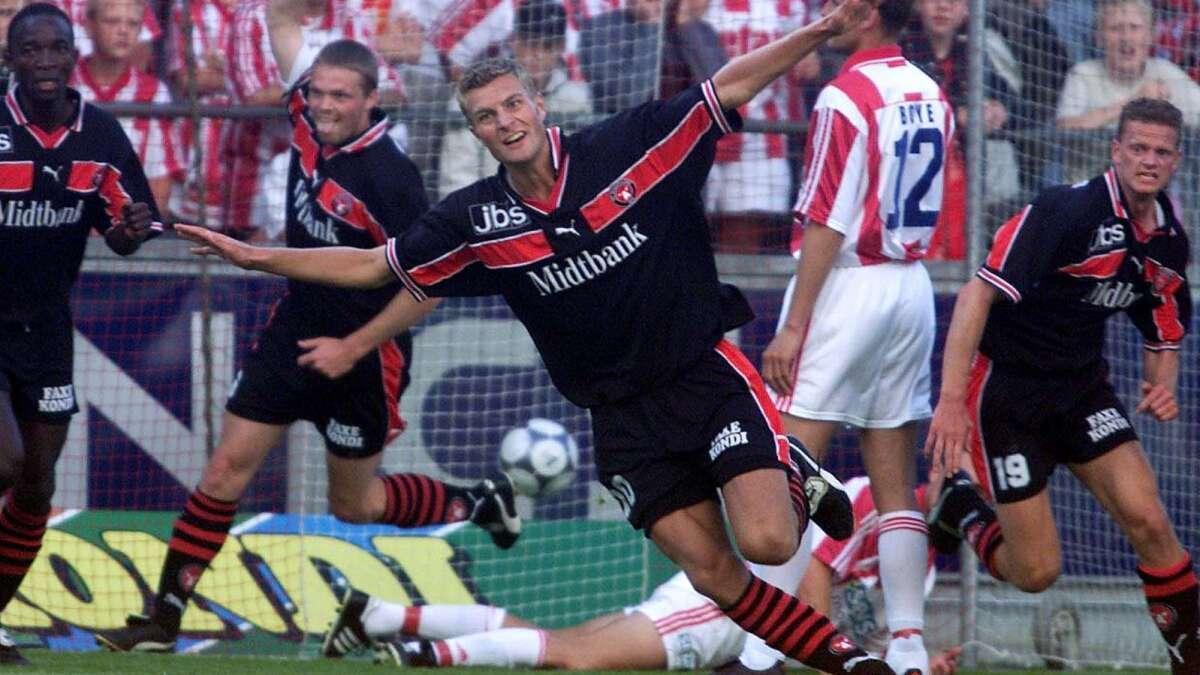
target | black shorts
[
  {"x": 35, "y": 369},
  {"x": 357, "y": 414},
  {"x": 675, "y": 446},
  {"x": 1027, "y": 423}
]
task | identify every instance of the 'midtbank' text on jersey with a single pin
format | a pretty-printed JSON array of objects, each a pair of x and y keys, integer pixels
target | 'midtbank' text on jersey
[
  {"x": 55, "y": 186},
  {"x": 877, "y": 142},
  {"x": 614, "y": 276},
  {"x": 1070, "y": 260},
  {"x": 355, "y": 194}
]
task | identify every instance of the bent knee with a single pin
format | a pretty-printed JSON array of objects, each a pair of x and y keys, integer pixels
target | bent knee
[
  {"x": 349, "y": 511},
  {"x": 1036, "y": 577},
  {"x": 769, "y": 546}
]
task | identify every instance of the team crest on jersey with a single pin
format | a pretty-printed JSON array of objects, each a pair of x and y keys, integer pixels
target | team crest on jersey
[
  {"x": 342, "y": 203},
  {"x": 622, "y": 192},
  {"x": 1164, "y": 617}
]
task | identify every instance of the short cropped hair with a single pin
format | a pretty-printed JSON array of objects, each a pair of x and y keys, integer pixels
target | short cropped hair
[
  {"x": 894, "y": 15},
  {"x": 351, "y": 55},
  {"x": 33, "y": 11},
  {"x": 481, "y": 73},
  {"x": 1151, "y": 111}
]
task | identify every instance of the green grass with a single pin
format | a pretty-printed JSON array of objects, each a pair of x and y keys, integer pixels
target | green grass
[{"x": 136, "y": 664}]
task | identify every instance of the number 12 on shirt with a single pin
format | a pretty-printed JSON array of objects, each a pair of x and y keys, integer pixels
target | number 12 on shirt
[{"x": 918, "y": 153}]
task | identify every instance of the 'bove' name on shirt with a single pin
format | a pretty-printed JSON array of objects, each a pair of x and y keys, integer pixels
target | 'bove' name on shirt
[
  {"x": 582, "y": 267},
  {"x": 39, "y": 213}
]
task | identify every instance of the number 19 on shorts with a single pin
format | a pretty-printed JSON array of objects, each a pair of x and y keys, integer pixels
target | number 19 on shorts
[{"x": 1010, "y": 471}]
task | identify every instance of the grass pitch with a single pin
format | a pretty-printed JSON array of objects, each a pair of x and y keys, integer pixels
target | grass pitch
[{"x": 135, "y": 664}]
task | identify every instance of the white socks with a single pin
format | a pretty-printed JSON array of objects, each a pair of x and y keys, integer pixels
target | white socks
[
  {"x": 756, "y": 655},
  {"x": 435, "y": 622},
  {"x": 903, "y": 565},
  {"x": 504, "y": 648}
]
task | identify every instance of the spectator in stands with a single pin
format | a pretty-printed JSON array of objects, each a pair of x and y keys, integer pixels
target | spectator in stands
[
  {"x": 1072, "y": 20},
  {"x": 937, "y": 43},
  {"x": 142, "y": 54},
  {"x": 1096, "y": 90},
  {"x": 537, "y": 43},
  {"x": 1177, "y": 32},
  {"x": 618, "y": 51},
  {"x": 691, "y": 50},
  {"x": 109, "y": 75},
  {"x": 211, "y": 24},
  {"x": 751, "y": 178}
]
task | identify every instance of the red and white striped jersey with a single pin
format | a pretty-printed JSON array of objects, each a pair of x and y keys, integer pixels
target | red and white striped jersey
[
  {"x": 252, "y": 66},
  {"x": 874, "y": 160},
  {"x": 744, "y": 25},
  {"x": 77, "y": 10},
  {"x": 462, "y": 30},
  {"x": 153, "y": 138},
  {"x": 212, "y": 24},
  {"x": 858, "y": 556}
]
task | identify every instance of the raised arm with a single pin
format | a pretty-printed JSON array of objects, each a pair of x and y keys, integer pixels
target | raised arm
[
  {"x": 743, "y": 77},
  {"x": 332, "y": 266},
  {"x": 951, "y": 424}
]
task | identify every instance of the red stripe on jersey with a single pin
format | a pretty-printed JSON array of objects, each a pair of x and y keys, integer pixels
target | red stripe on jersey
[
  {"x": 369, "y": 136},
  {"x": 1164, "y": 281},
  {"x": 735, "y": 358},
  {"x": 864, "y": 93},
  {"x": 981, "y": 371},
  {"x": 694, "y": 617},
  {"x": 114, "y": 195},
  {"x": 833, "y": 131},
  {"x": 86, "y": 176},
  {"x": 462, "y": 22},
  {"x": 391, "y": 369},
  {"x": 16, "y": 176},
  {"x": 1000, "y": 283},
  {"x": 521, "y": 249},
  {"x": 562, "y": 164},
  {"x": 305, "y": 143},
  {"x": 658, "y": 162},
  {"x": 1005, "y": 238},
  {"x": 1100, "y": 266},
  {"x": 47, "y": 139},
  {"x": 1114, "y": 193},
  {"x": 338, "y": 202},
  {"x": 714, "y": 106},
  {"x": 442, "y": 268},
  {"x": 393, "y": 261}
]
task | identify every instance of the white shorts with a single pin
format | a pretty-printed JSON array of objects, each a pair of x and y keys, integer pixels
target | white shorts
[
  {"x": 696, "y": 634},
  {"x": 755, "y": 184},
  {"x": 865, "y": 360}
]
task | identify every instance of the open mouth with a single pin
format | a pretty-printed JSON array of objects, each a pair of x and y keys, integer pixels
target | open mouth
[
  {"x": 513, "y": 139},
  {"x": 47, "y": 85}
]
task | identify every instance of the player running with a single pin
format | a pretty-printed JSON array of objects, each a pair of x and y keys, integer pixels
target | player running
[
  {"x": 1025, "y": 385},
  {"x": 65, "y": 168},
  {"x": 349, "y": 185},
  {"x": 676, "y": 628},
  {"x": 856, "y": 330},
  {"x": 603, "y": 254}
]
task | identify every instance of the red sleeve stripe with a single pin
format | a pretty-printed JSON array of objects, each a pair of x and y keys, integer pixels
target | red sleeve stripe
[
  {"x": 658, "y": 162},
  {"x": 306, "y": 146},
  {"x": 999, "y": 282},
  {"x": 714, "y": 106},
  {"x": 1005, "y": 238},
  {"x": 1163, "y": 346},
  {"x": 1100, "y": 266},
  {"x": 444, "y": 267},
  {"x": 338, "y": 202},
  {"x": 818, "y": 146},
  {"x": 16, "y": 176},
  {"x": 1114, "y": 193},
  {"x": 85, "y": 176},
  {"x": 1164, "y": 282},
  {"x": 515, "y": 251},
  {"x": 394, "y": 262},
  {"x": 114, "y": 195}
]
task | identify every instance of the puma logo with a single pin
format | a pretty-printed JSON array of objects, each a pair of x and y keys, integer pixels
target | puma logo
[
  {"x": 1176, "y": 648},
  {"x": 53, "y": 172},
  {"x": 567, "y": 230}
]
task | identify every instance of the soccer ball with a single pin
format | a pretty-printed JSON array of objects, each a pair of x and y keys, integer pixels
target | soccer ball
[{"x": 540, "y": 457}]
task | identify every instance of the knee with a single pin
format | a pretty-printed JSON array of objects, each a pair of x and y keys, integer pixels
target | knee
[
  {"x": 1035, "y": 576},
  {"x": 1148, "y": 527},
  {"x": 349, "y": 510},
  {"x": 226, "y": 472},
  {"x": 768, "y": 545},
  {"x": 721, "y": 580}
]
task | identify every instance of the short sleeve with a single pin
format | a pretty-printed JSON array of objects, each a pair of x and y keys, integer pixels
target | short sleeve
[
  {"x": 1024, "y": 249},
  {"x": 1162, "y": 315},
  {"x": 834, "y": 162},
  {"x": 433, "y": 258}
]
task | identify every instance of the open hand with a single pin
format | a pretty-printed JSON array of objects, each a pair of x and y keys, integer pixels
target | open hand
[
  {"x": 949, "y": 430},
  {"x": 846, "y": 15},
  {"x": 215, "y": 243},
  {"x": 1158, "y": 401},
  {"x": 779, "y": 360}
]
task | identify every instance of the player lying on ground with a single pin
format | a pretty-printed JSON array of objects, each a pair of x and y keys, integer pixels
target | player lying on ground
[
  {"x": 676, "y": 628},
  {"x": 605, "y": 259},
  {"x": 68, "y": 168},
  {"x": 349, "y": 184},
  {"x": 1025, "y": 385}
]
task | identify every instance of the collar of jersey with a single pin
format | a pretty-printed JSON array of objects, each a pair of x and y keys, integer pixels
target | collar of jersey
[
  {"x": 18, "y": 115},
  {"x": 1120, "y": 210},
  {"x": 103, "y": 94},
  {"x": 376, "y": 131},
  {"x": 884, "y": 53},
  {"x": 559, "y": 161}
]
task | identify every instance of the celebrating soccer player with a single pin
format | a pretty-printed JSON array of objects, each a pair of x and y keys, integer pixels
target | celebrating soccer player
[
  {"x": 350, "y": 185},
  {"x": 599, "y": 243},
  {"x": 65, "y": 168},
  {"x": 1025, "y": 386}
]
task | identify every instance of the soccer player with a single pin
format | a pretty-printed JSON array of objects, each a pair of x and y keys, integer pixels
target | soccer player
[
  {"x": 676, "y": 628},
  {"x": 349, "y": 184},
  {"x": 598, "y": 242},
  {"x": 1025, "y": 385},
  {"x": 65, "y": 168},
  {"x": 856, "y": 330}
]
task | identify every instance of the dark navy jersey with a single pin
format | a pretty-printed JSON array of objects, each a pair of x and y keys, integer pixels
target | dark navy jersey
[
  {"x": 614, "y": 275},
  {"x": 1070, "y": 260},
  {"x": 55, "y": 187},
  {"x": 358, "y": 194}
]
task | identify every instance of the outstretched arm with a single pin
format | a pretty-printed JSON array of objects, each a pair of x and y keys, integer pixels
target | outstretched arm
[
  {"x": 334, "y": 357},
  {"x": 332, "y": 266},
  {"x": 743, "y": 77}
]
